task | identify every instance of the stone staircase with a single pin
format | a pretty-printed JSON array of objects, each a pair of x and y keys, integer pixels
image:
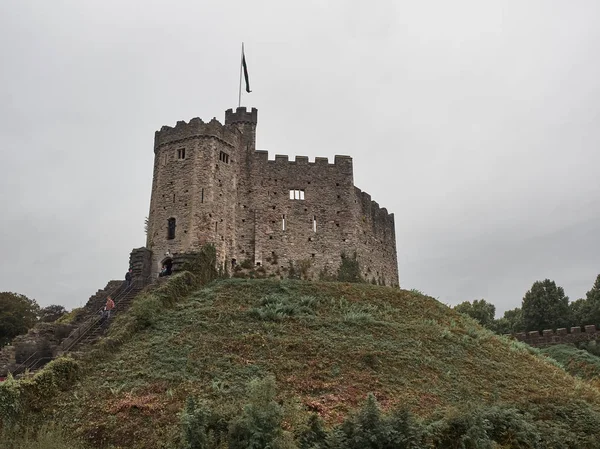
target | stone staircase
[
  {"x": 96, "y": 326},
  {"x": 88, "y": 332}
]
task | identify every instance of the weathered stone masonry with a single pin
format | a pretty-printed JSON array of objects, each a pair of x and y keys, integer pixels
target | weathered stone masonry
[{"x": 212, "y": 186}]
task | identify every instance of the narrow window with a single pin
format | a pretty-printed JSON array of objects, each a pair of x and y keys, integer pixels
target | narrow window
[
  {"x": 314, "y": 223},
  {"x": 173, "y": 197},
  {"x": 216, "y": 226},
  {"x": 171, "y": 228},
  {"x": 181, "y": 153},
  {"x": 297, "y": 194},
  {"x": 283, "y": 222},
  {"x": 202, "y": 195}
]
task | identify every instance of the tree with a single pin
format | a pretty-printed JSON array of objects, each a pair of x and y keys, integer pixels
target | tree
[
  {"x": 18, "y": 314},
  {"x": 545, "y": 306},
  {"x": 593, "y": 303},
  {"x": 579, "y": 312},
  {"x": 52, "y": 313},
  {"x": 587, "y": 310},
  {"x": 510, "y": 323},
  {"x": 480, "y": 310}
]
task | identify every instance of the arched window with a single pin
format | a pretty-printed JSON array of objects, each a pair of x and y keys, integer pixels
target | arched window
[{"x": 171, "y": 228}]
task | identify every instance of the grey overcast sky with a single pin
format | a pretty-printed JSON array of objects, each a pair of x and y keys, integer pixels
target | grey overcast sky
[{"x": 477, "y": 123}]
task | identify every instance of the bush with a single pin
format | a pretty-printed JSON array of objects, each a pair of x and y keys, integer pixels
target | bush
[
  {"x": 485, "y": 428},
  {"x": 147, "y": 308},
  {"x": 370, "y": 429},
  {"x": 349, "y": 270},
  {"x": 10, "y": 402},
  {"x": 278, "y": 306},
  {"x": 259, "y": 426},
  {"x": 45, "y": 438},
  {"x": 203, "y": 265},
  {"x": 195, "y": 426},
  {"x": 31, "y": 394}
]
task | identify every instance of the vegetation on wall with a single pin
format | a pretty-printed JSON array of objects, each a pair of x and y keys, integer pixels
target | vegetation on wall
[{"x": 349, "y": 270}]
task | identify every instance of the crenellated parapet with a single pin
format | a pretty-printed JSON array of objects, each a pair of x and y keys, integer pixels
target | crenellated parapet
[
  {"x": 562, "y": 335},
  {"x": 196, "y": 128},
  {"x": 241, "y": 115},
  {"x": 380, "y": 217},
  {"x": 280, "y": 159}
]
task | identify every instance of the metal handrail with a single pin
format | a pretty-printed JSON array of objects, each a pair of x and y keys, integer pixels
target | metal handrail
[
  {"x": 92, "y": 321},
  {"x": 25, "y": 362},
  {"x": 95, "y": 318}
]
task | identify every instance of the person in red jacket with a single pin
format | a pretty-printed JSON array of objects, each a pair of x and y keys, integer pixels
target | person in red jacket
[{"x": 110, "y": 305}]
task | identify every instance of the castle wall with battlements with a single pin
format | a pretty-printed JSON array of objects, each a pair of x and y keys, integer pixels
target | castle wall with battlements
[{"x": 276, "y": 214}]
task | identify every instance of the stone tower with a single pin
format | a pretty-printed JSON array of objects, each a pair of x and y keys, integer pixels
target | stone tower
[{"x": 210, "y": 185}]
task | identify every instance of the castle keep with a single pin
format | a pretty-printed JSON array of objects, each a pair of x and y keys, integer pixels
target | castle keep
[{"x": 211, "y": 185}]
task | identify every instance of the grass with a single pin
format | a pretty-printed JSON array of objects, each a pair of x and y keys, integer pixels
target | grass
[
  {"x": 578, "y": 362},
  {"x": 327, "y": 344}
]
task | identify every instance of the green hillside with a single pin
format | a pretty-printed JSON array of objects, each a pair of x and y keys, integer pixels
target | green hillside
[
  {"x": 578, "y": 362},
  {"x": 328, "y": 346}
]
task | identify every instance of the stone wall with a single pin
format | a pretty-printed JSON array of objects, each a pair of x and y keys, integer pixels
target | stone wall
[
  {"x": 140, "y": 262},
  {"x": 376, "y": 241},
  {"x": 222, "y": 191},
  {"x": 560, "y": 336},
  {"x": 43, "y": 340}
]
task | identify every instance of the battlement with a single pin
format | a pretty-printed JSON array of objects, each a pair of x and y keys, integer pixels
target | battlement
[
  {"x": 562, "y": 335},
  {"x": 241, "y": 115},
  {"x": 195, "y": 128},
  {"x": 372, "y": 208},
  {"x": 339, "y": 161}
]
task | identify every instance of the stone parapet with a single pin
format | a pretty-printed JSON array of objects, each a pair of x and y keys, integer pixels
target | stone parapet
[
  {"x": 550, "y": 337},
  {"x": 194, "y": 129}
]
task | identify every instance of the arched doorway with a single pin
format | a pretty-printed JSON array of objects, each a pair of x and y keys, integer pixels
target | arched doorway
[{"x": 166, "y": 267}]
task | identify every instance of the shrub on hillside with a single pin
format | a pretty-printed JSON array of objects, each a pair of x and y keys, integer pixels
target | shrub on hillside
[
  {"x": 259, "y": 426},
  {"x": 369, "y": 428},
  {"x": 485, "y": 428},
  {"x": 203, "y": 265},
  {"x": 17, "y": 397},
  {"x": 278, "y": 306},
  {"x": 47, "y": 437},
  {"x": 349, "y": 270},
  {"x": 147, "y": 308},
  {"x": 197, "y": 432}
]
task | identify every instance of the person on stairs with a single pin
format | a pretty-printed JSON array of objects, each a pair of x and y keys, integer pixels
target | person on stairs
[
  {"x": 110, "y": 305},
  {"x": 128, "y": 277}
]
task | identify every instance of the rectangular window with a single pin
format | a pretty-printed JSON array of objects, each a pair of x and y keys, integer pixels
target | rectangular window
[
  {"x": 171, "y": 223},
  {"x": 202, "y": 195},
  {"x": 181, "y": 153},
  {"x": 283, "y": 222},
  {"x": 224, "y": 157},
  {"x": 314, "y": 223},
  {"x": 297, "y": 194}
]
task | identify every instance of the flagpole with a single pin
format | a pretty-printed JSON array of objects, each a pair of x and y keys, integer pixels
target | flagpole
[{"x": 240, "y": 91}]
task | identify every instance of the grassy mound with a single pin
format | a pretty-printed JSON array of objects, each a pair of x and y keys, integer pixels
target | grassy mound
[
  {"x": 328, "y": 345},
  {"x": 578, "y": 362}
]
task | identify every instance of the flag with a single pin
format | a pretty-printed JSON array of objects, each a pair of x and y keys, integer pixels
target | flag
[{"x": 245, "y": 71}]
